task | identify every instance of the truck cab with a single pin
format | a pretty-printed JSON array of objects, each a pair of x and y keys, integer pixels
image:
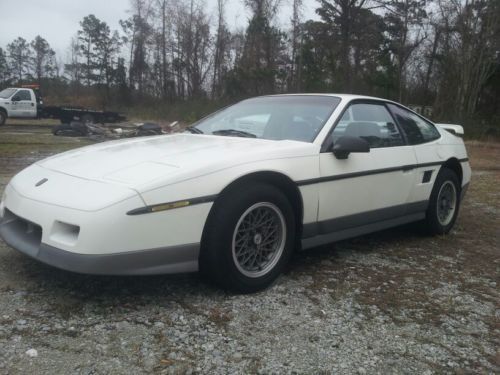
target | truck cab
[{"x": 18, "y": 103}]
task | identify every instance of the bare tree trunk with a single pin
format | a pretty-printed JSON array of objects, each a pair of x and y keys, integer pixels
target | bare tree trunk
[
  {"x": 164, "y": 68},
  {"x": 435, "y": 44},
  {"x": 219, "y": 49},
  {"x": 296, "y": 42}
]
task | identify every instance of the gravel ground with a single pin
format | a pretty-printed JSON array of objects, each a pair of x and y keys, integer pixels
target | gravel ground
[{"x": 391, "y": 302}]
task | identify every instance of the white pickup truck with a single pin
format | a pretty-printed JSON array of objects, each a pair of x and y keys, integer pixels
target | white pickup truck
[
  {"x": 18, "y": 103},
  {"x": 26, "y": 102}
]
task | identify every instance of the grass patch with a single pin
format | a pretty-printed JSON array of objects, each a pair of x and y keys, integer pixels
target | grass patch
[
  {"x": 484, "y": 155},
  {"x": 27, "y": 121}
]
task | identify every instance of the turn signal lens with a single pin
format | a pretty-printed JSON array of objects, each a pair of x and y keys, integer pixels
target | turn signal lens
[{"x": 169, "y": 206}]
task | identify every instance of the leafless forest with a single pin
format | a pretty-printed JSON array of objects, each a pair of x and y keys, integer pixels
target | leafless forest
[{"x": 180, "y": 58}]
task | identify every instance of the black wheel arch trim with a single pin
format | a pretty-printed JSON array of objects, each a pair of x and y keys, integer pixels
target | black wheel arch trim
[{"x": 281, "y": 181}]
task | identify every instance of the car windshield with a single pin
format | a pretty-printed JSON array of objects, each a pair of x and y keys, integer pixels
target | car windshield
[
  {"x": 7, "y": 93},
  {"x": 294, "y": 117}
]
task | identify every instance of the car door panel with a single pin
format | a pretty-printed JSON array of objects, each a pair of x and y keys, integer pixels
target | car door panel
[
  {"x": 365, "y": 182},
  {"x": 366, "y": 187}
]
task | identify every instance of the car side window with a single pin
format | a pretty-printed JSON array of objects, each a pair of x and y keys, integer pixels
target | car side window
[
  {"x": 23, "y": 95},
  {"x": 417, "y": 130},
  {"x": 372, "y": 122}
]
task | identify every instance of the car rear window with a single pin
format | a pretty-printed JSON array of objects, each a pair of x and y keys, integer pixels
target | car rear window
[{"x": 417, "y": 130}]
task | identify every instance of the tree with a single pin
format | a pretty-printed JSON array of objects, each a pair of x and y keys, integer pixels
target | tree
[
  {"x": 340, "y": 16},
  {"x": 99, "y": 48},
  {"x": 467, "y": 56},
  {"x": 317, "y": 54},
  {"x": 19, "y": 58},
  {"x": 88, "y": 37},
  {"x": 296, "y": 61},
  {"x": 404, "y": 20},
  {"x": 120, "y": 81},
  {"x": 73, "y": 66},
  {"x": 257, "y": 69},
  {"x": 194, "y": 43},
  {"x": 5, "y": 73},
  {"x": 478, "y": 28},
  {"x": 367, "y": 53},
  {"x": 163, "y": 37},
  {"x": 138, "y": 33},
  {"x": 221, "y": 53},
  {"x": 107, "y": 48},
  {"x": 43, "y": 59}
]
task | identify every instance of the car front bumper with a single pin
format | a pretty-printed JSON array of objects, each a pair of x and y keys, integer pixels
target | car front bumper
[
  {"x": 106, "y": 242},
  {"x": 20, "y": 235}
]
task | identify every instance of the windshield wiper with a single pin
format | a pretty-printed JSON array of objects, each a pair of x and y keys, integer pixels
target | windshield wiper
[
  {"x": 193, "y": 130},
  {"x": 236, "y": 133}
]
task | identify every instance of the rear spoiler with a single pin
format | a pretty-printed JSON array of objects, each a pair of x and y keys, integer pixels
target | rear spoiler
[{"x": 453, "y": 129}]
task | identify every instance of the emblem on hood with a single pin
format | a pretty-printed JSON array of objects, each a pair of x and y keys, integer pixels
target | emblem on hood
[{"x": 41, "y": 182}]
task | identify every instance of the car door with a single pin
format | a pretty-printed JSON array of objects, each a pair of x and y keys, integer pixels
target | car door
[
  {"x": 23, "y": 104},
  {"x": 366, "y": 188},
  {"x": 423, "y": 136}
]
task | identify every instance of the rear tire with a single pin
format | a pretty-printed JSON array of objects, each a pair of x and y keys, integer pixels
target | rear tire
[
  {"x": 3, "y": 117},
  {"x": 444, "y": 203},
  {"x": 248, "y": 239}
]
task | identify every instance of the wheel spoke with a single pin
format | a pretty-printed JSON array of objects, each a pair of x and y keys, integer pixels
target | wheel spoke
[{"x": 259, "y": 239}]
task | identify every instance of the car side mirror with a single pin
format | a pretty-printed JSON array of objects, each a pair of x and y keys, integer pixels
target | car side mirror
[
  {"x": 15, "y": 99},
  {"x": 347, "y": 144}
]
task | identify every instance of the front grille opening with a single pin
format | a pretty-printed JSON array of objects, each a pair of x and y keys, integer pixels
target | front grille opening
[{"x": 25, "y": 229}]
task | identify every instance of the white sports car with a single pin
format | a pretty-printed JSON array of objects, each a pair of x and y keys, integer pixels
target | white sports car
[{"x": 240, "y": 190}]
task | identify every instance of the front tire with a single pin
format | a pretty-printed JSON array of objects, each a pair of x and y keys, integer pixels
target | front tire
[
  {"x": 249, "y": 238},
  {"x": 444, "y": 202},
  {"x": 3, "y": 117}
]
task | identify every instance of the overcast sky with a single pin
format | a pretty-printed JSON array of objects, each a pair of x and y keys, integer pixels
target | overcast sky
[{"x": 58, "y": 20}]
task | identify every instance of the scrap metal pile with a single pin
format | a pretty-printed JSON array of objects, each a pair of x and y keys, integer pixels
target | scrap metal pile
[{"x": 112, "y": 131}]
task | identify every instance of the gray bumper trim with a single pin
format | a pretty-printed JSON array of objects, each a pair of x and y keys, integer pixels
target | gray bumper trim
[{"x": 174, "y": 259}]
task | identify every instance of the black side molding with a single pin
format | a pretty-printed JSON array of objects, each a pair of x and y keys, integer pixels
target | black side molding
[
  {"x": 361, "y": 219},
  {"x": 404, "y": 168}
]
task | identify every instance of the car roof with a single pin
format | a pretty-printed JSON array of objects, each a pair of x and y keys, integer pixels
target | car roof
[
  {"x": 341, "y": 96},
  {"x": 349, "y": 97}
]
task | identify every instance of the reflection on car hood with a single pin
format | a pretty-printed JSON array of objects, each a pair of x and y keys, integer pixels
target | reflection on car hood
[{"x": 137, "y": 162}]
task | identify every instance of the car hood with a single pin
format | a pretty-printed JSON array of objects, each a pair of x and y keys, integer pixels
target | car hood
[{"x": 137, "y": 162}]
